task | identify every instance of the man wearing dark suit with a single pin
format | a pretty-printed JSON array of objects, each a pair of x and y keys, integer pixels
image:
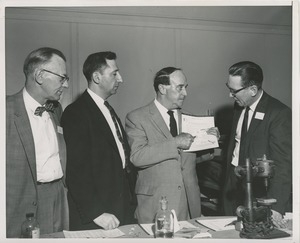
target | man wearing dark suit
[
  {"x": 269, "y": 132},
  {"x": 97, "y": 151},
  {"x": 157, "y": 149},
  {"x": 35, "y": 148}
]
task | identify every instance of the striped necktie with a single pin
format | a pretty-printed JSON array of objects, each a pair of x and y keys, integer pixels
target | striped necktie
[{"x": 115, "y": 119}]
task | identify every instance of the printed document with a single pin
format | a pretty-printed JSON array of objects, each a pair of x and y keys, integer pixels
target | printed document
[
  {"x": 97, "y": 233},
  {"x": 198, "y": 126}
]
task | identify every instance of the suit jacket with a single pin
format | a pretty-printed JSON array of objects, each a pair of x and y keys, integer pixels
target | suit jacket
[
  {"x": 163, "y": 169},
  {"x": 21, "y": 176},
  {"x": 95, "y": 177},
  {"x": 270, "y": 135}
]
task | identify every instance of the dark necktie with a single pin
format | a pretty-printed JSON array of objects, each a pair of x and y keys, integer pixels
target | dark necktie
[
  {"x": 242, "y": 153},
  {"x": 48, "y": 107},
  {"x": 119, "y": 134},
  {"x": 173, "y": 124}
]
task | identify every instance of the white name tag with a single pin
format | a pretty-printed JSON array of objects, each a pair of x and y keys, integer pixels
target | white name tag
[
  {"x": 59, "y": 129},
  {"x": 259, "y": 115}
]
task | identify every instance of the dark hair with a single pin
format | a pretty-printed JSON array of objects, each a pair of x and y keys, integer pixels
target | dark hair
[
  {"x": 96, "y": 61},
  {"x": 163, "y": 76},
  {"x": 250, "y": 72},
  {"x": 39, "y": 57}
]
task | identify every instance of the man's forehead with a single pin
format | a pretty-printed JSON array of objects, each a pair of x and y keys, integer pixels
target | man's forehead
[
  {"x": 111, "y": 65},
  {"x": 235, "y": 80},
  {"x": 178, "y": 78}
]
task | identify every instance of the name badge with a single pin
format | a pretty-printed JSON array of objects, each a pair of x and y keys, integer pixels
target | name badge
[
  {"x": 259, "y": 115},
  {"x": 59, "y": 129}
]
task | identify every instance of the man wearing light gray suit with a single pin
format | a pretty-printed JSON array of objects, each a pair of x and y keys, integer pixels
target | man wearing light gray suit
[
  {"x": 164, "y": 168},
  {"x": 35, "y": 147}
]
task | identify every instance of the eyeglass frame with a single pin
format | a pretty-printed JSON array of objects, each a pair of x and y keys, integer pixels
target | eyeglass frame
[
  {"x": 64, "y": 78},
  {"x": 234, "y": 92}
]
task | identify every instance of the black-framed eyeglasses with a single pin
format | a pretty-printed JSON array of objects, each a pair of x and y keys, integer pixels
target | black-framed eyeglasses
[
  {"x": 234, "y": 92},
  {"x": 64, "y": 78}
]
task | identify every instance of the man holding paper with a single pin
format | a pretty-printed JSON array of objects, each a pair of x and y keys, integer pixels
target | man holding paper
[
  {"x": 268, "y": 131},
  {"x": 157, "y": 149}
]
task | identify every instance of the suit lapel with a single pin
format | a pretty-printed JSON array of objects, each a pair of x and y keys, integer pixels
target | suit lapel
[
  {"x": 261, "y": 107},
  {"x": 24, "y": 129},
  {"x": 158, "y": 121},
  {"x": 97, "y": 115}
]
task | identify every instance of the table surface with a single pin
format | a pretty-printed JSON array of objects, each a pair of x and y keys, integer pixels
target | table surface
[{"x": 135, "y": 231}]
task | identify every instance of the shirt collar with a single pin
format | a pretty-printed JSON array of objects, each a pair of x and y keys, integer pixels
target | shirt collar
[
  {"x": 253, "y": 106},
  {"x": 30, "y": 102},
  {"x": 163, "y": 109},
  {"x": 95, "y": 97}
]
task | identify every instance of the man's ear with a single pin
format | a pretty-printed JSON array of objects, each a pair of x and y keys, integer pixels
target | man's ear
[
  {"x": 96, "y": 77},
  {"x": 253, "y": 90},
  {"x": 162, "y": 89},
  {"x": 38, "y": 76}
]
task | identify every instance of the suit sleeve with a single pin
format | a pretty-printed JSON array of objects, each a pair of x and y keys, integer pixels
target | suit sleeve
[
  {"x": 143, "y": 153},
  {"x": 80, "y": 174},
  {"x": 280, "y": 150}
]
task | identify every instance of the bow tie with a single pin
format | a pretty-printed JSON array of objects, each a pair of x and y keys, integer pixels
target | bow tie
[{"x": 48, "y": 107}]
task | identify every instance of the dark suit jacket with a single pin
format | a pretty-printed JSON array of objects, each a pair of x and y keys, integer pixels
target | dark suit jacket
[
  {"x": 272, "y": 136},
  {"x": 95, "y": 176},
  {"x": 21, "y": 177}
]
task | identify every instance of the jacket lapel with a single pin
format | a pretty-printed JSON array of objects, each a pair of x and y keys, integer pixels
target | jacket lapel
[
  {"x": 103, "y": 124},
  {"x": 24, "y": 129},
  {"x": 158, "y": 121},
  {"x": 261, "y": 107}
]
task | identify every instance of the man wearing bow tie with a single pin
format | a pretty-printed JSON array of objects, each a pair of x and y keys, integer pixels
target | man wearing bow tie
[
  {"x": 35, "y": 148},
  {"x": 97, "y": 151}
]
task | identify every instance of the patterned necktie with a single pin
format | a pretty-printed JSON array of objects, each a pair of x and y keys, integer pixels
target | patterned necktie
[
  {"x": 119, "y": 134},
  {"x": 242, "y": 153},
  {"x": 173, "y": 124},
  {"x": 48, "y": 107}
]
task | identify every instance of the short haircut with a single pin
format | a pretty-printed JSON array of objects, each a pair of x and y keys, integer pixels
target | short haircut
[
  {"x": 97, "y": 62},
  {"x": 250, "y": 73},
  {"x": 163, "y": 77},
  {"x": 39, "y": 57}
]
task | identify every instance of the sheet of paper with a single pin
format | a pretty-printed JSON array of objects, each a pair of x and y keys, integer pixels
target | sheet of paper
[
  {"x": 97, "y": 233},
  {"x": 197, "y": 126},
  {"x": 218, "y": 224},
  {"x": 149, "y": 228}
]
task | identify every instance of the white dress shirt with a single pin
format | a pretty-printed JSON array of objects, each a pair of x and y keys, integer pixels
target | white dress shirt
[
  {"x": 235, "y": 155},
  {"x": 100, "y": 103},
  {"x": 48, "y": 165},
  {"x": 164, "y": 113}
]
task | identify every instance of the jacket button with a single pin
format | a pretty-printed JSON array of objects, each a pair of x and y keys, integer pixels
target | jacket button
[
  {"x": 179, "y": 187},
  {"x": 34, "y": 203}
]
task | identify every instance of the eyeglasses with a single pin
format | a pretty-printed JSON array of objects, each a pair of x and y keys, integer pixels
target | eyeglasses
[
  {"x": 64, "y": 78},
  {"x": 234, "y": 92}
]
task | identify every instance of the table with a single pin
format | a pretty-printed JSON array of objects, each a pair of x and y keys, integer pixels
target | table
[{"x": 135, "y": 231}]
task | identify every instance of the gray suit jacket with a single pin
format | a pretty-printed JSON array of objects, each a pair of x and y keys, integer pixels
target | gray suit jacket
[
  {"x": 21, "y": 177},
  {"x": 163, "y": 169}
]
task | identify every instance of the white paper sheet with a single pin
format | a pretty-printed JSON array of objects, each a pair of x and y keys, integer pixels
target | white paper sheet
[
  {"x": 218, "y": 224},
  {"x": 197, "y": 126},
  {"x": 149, "y": 228},
  {"x": 97, "y": 233}
]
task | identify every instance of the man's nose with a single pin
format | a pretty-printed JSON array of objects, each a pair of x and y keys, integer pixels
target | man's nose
[
  {"x": 65, "y": 84},
  {"x": 184, "y": 92},
  {"x": 119, "y": 78}
]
